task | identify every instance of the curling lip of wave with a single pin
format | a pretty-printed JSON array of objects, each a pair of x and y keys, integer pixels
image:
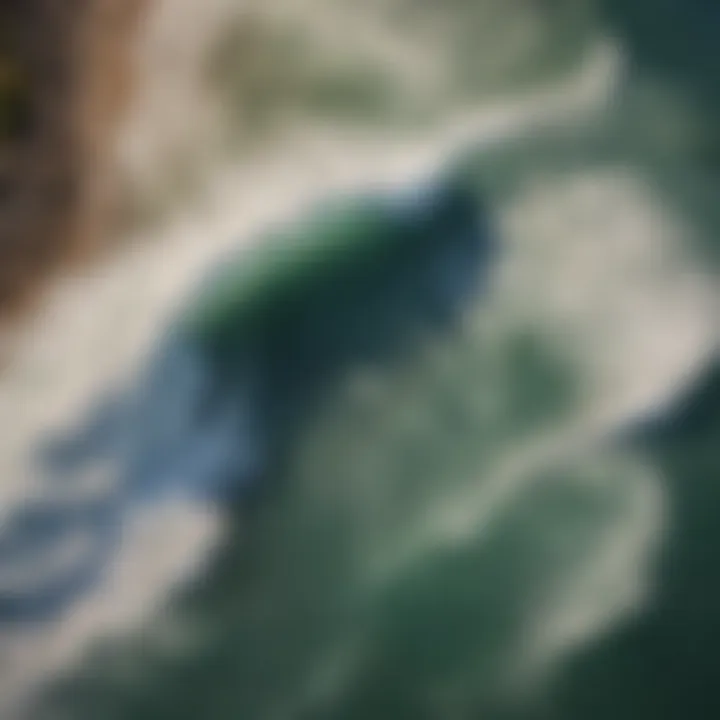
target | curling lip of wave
[{"x": 195, "y": 433}]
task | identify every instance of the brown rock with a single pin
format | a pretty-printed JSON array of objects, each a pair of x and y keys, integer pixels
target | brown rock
[{"x": 65, "y": 79}]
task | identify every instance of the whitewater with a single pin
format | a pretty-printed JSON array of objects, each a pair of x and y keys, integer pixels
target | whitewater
[{"x": 618, "y": 317}]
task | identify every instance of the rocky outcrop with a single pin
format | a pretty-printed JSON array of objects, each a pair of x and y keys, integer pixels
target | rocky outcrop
[{"x": 68, "y": 71}]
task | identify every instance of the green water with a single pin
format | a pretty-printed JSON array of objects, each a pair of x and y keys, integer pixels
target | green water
[{"x": 447, "y": 539}]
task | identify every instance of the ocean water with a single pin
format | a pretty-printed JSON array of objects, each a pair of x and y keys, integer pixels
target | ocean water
[{"x": 508, "y": 514}]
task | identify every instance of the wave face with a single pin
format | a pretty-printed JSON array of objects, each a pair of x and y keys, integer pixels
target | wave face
[{"x": 212, "y": 415}]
